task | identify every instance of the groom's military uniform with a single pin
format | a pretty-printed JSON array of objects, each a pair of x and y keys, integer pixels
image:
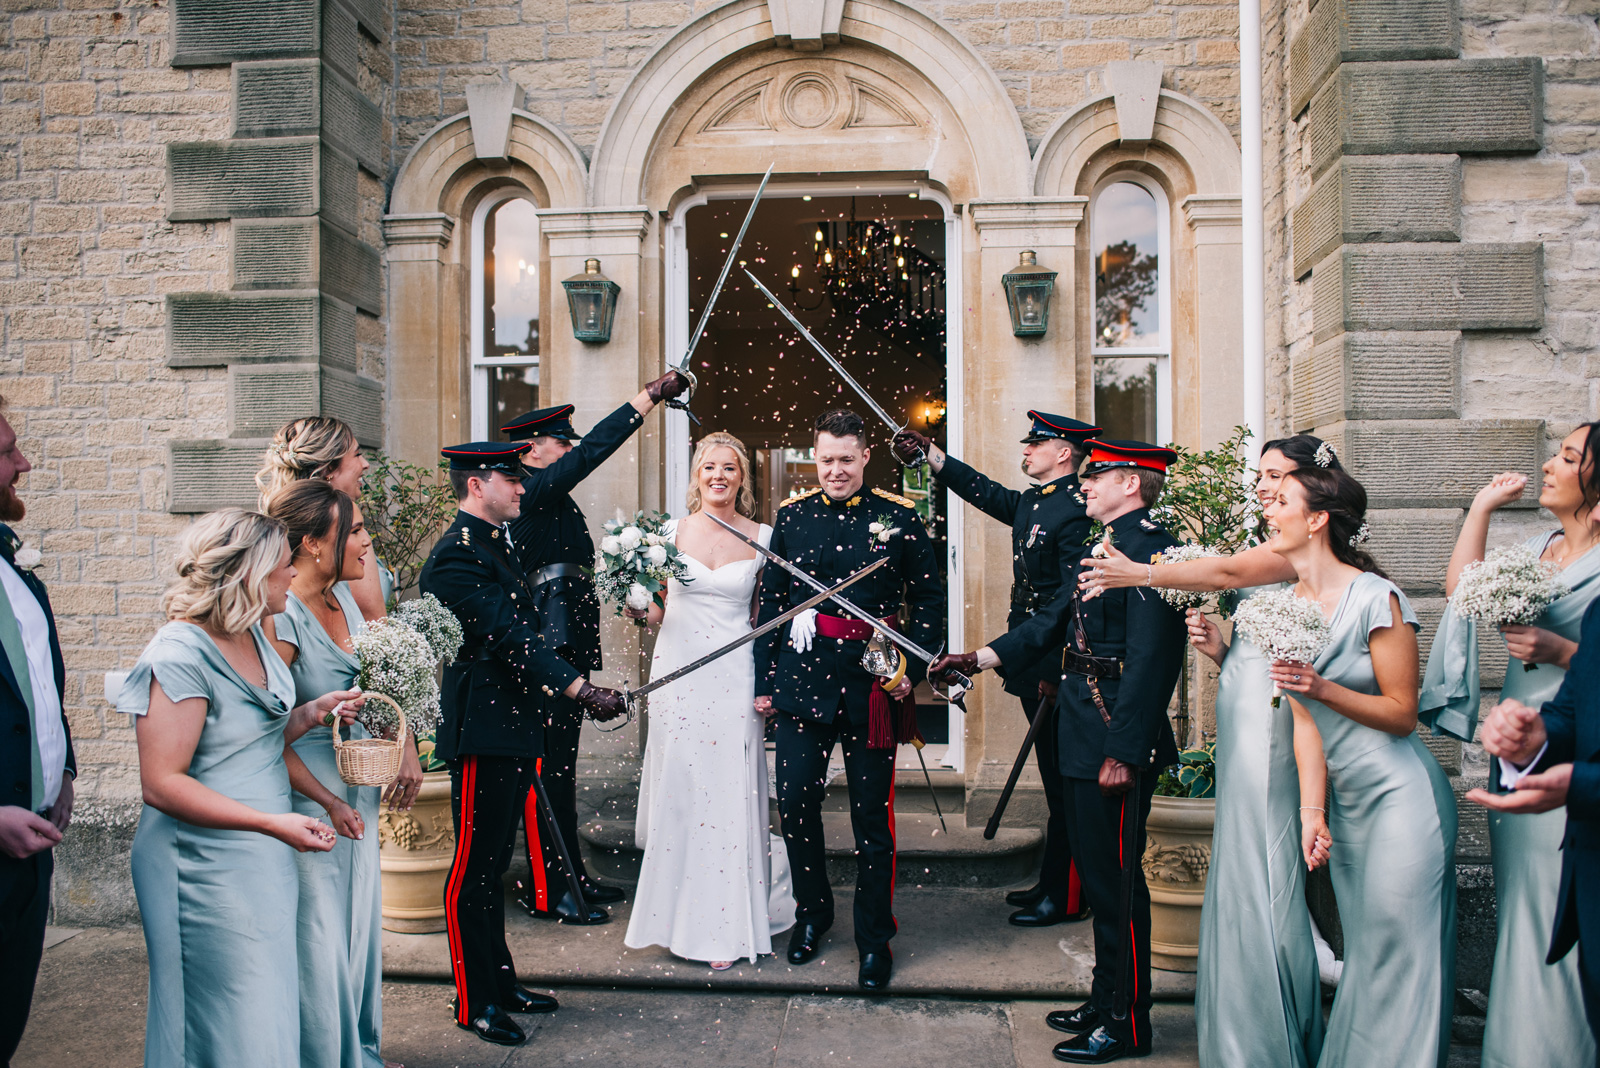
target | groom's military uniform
[
  {"x": 553, "y": 546},
  {"x": 822, "y": 696},
  {"x": 491, "y": 730},
  {"x": 1124, "y": 650},
  {"x": 1049, "y": 533}
]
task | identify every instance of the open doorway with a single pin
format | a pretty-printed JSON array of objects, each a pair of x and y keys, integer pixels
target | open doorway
[{"x": 867, "y": 274}]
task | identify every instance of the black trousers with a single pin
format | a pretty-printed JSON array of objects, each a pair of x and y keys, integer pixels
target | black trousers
[
  {"x": 486, "y": 798},
  {"x": 24, "y": 907},
  {"x": 558, "y": 770},
  {"x": 1057, "y": 873},
  {"x": 803, "y": 750},
  {"x": 1097, "y": 826}
]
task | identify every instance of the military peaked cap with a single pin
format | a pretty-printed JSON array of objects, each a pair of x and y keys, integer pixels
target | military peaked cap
[
  {"x": 1109, "y": 455},
  {"x": 487, "y": 456},
  {"x": 543, "y": 423},
  {"x": 1047, "y": 426}
]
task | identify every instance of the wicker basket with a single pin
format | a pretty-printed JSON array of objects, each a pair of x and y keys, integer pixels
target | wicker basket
[{"x": 371, "y": 761}]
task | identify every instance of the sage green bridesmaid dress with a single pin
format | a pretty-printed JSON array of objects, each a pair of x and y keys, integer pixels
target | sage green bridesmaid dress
[
  {"x": 1258, "y": 1000},
  {"x": 340, "y": 937},
  {"x": 1535, "y": 1009},
  {"x": 219, "y": 906},
  {"x": 1393, "y": 820}
]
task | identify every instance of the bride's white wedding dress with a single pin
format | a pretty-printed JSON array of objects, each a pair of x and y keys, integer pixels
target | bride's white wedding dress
[{"x": 715, "y": 881}]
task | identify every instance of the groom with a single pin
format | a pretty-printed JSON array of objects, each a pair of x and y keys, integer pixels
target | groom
[{"x": 815, "y": 684}]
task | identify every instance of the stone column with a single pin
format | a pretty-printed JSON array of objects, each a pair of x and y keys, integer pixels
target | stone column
[
  {"x": 427, "y": 396},
  {"x": 1206, "y": 392}
]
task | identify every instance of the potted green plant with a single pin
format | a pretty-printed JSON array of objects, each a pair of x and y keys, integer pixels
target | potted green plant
[{"x": 1177, "y": 856}]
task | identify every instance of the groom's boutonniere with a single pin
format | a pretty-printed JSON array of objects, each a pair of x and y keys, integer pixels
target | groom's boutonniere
[
  {"x": 27, "y": 558},
  {"x": 882, "y": 530}
]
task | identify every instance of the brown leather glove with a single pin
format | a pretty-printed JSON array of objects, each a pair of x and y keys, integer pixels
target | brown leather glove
[
  {"x": 599, "y": 703},
  {"x": 667, "y": 386},
  {"x": 910, "y": 447},
  {"x": 938, "y": 671},
  {"x": 1048, "y": 689}
]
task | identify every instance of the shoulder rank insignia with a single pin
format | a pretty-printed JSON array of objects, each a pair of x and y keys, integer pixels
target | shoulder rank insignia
[
  {"x": 1078, "y": 496},
  {"x": 1149, "y": 524},
  {"x": 895, "y": 497},
  {"x": 1048, "y": 489},
  {"x": 802, "y": 495}
]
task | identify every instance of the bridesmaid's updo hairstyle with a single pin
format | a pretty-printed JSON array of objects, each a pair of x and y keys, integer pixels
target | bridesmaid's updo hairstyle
[
  {"x": 305, "y": 448},
  {"x": 1334, "y": 490},
  {"x": 224, "y": 561},
  {"x": 314, "y": 509},
  {"x": 745, "y": 502},
  {"x": 1302, "y": 449}
]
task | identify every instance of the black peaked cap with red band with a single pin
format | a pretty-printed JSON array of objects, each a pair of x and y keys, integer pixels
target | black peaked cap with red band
[
  {"x": 1107, "y": 455},
  {"x": 1047, "y": 426},
  {"x": 505, "y": 456},
  {"x": 553, "y": 422}
]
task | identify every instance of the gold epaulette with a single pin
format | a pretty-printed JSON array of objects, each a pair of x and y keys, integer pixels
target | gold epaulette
[
  {"x": 895, "y": 497},
  {"x": 802, "y": 495}
]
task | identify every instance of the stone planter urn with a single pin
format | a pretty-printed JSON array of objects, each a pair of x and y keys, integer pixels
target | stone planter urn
[
  {"x": 1177, "y": 857},
  {"x": 415, "y": 852}
]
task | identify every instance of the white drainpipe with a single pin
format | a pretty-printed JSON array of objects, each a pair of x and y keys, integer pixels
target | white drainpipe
[{"x": 1252, "y": 207}]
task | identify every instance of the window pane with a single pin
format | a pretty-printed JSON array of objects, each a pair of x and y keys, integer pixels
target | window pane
[
  {"x": 512, "y": 391},
  {"x": 1127, "y": 308},
  {"x": 511, "y": 280},
  {"x": 1125, "y": 398}
]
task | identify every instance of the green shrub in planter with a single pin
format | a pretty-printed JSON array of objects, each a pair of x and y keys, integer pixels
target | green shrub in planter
[{"x": 1194, "y": 775}]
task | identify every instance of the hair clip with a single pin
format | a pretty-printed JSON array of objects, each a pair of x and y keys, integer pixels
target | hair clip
[
  {"x": 1361, "y": 535},
  {"x": 1325, "y": 455}
]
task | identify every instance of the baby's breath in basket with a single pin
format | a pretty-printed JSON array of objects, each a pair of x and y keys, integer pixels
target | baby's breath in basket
[{"x": 397, "y": 665}]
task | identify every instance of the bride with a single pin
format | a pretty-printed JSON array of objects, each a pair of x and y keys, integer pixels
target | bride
[{"x": 715, "y": 884}]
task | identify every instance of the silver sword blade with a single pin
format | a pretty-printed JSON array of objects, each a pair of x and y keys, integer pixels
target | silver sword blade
[
  {"x": 894, "y": 427},
  {"x": 727, "y": 265},
  {"x": 746, "y": 639}
]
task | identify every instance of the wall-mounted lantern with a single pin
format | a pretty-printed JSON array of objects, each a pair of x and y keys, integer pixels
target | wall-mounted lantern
[
  {"x": 592, "y": 299},
  {"x": 1028, "y": 288}
]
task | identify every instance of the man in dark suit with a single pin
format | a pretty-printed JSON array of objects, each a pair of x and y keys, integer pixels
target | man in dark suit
[
  {"x": 493, "y": 705},
  {"x": 1121, "y": 662},
  {"x": 36, "y": 761},
  {"x": 553, "y": 547},
  {"x": 1049, "y": 534},
  {"x": 1550, "y": 758}
]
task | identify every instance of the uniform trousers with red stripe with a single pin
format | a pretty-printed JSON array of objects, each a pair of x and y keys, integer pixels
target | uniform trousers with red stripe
[
  {"x": 1096, "y": 825},
  {"x": 486, "y": 799},
  {"x": 803, "y": 749},
  {"x": 1057, "y": 873},
  {"x": 558, "y": 771}
]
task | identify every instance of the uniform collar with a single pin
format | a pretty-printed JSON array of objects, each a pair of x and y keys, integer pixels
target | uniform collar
[
  {"x": 1127, "y": 524},
  {"x": 480, "y": 528},
  {"x": 1064, "y": 482},
  {"x": 848, "y": 502}
]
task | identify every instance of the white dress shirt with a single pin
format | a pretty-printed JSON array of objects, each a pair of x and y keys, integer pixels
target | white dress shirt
[{"x": 42, "y": 673}]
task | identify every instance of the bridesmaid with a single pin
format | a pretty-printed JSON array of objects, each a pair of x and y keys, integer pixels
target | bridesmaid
[
  {"x": 1536, "y": 1013},
  {"x": 1392, "y": 814},
  {"x": 213, "y": 864},
  {"x": 340, "y": 941}
]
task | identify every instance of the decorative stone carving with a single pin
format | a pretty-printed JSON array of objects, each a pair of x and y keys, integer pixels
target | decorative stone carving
[
  {"x": 809, "y": 101},
  {"x": 806, "y": 25},
  {"x": 1187, "y": 862},
  {"x": 1136, "y": 88},
  {"x": 744, "y": 113},
  {"x": 874, "y": 109},
  {"x": 489, "y": 108},
  {"x": 797, "y": 97}
]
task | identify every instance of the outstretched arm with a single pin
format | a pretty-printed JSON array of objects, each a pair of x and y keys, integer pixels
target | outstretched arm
[
  {"x": 1258, "y": 566},
  {"x": 1474, "y": 536}
]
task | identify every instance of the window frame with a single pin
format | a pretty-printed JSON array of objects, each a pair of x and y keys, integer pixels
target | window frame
[
  {"x": 479, "y": 365},
  {"x": 1161, "y": 352}
]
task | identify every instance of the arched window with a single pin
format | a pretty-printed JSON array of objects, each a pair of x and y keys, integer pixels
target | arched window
[
  {"x": 1129, "y": 235},
  {"x": 505, "y": 312}
]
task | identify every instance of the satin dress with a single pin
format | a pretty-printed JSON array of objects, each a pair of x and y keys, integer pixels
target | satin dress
[
  {"x": 1393, "y": 820},
  {"x": 340, "y": 937},
  {"x": 1258, "y": 1000},
  {"x": 218, "y": 906},
  {"x": 1536, "y": 1011}
]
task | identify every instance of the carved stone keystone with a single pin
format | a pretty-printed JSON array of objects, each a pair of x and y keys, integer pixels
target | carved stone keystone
[
  {"x": 489, "y": 108},
  {"x": 1135, "y": 86}
]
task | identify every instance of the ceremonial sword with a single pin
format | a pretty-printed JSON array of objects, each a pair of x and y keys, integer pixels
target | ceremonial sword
[
  {"x": 745, "y": 639},
  {"x": 894, "y": 427},
  {"x": 1040, "y": 714},
  {"x": 682, "y": 366}
]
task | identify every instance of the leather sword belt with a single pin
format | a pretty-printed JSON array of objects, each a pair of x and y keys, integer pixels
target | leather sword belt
[
  {"x": 1029, "y": 599},
  {"x": 1094, "y": 667},
  {"x": 464, "y": 657},
  {"x": 847, "y": 628},
  {"x": 555, "y": 571}
]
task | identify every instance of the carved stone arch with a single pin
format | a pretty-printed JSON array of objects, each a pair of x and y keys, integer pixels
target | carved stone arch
[
  {"x": 442, "y": 168},
  {"x": 1183, "y": 126},
  {"x": 917, "y": 75}
]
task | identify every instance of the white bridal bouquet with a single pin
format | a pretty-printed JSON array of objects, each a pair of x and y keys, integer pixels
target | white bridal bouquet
[
  {"x": 1181, "y": 554},
  {"x": 436, "y": 623},
  {"x": 636, "y": 560},
  {"x": 1509, "y": 585},
  {"x": 399, "y": 663},
  {"x": 1284, "y": 627}
]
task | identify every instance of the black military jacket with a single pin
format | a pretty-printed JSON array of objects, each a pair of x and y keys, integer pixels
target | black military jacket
[
  {"x": 552, "y": 530},
  {"x": 496, "y": 696},
  {"x": 1132, "y": 624},
  {"x": 830, "y": 540},
  {"x": 1049, "y": 533}
]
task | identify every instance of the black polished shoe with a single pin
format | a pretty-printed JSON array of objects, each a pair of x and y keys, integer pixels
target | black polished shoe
[
  {"x": 600, "y": 893},
  {"x": 493, "y": 1025},
  {"x": 875, "y": 971},
  {"x": 1023, "y": 899},
  {"x": 804, "y": 941},
  {"x": 1074, "y": 1021},
  {"x": 1097, "y": 1047},
  {"x": 1046, "y": 913},
  {"x": 523, "y": 1000},
  {"x": 567, "y": 910}
]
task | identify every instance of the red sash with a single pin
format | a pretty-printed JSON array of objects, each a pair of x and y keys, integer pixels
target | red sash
[{"x": 889, "y": 722}]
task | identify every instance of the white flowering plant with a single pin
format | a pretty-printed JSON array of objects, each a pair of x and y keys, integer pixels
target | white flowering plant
[
  {"x": 437, "y": 624},
  {"x": 396, "y": 661},
  {"x": 636, "y": 560},
  {"x": 1179, "y": 554},
  {"x": 1508, "y": 586},
  {"x": 1284, "y": 627}
]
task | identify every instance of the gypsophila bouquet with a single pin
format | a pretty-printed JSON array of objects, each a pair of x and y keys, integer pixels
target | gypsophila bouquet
[
  {"x": 436, "y": 623},
  {"x": 1284, "y": 627},
  {"x": 636, "y": 560},
  {"x": 1509, "y": 585},
  {"x": 397, "y": 662},
  {"x": 1180, "y": 554}
]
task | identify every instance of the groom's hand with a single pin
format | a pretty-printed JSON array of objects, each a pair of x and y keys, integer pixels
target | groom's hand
[
  {"x": 599, "y": 703},
  {"x": 764, "y": 706},
  {"x": 966, "y": 663},
  {"x": 668, "y": 386}
]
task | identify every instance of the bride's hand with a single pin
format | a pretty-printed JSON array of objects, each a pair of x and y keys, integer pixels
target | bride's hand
[{"x": 764, "y": 707}]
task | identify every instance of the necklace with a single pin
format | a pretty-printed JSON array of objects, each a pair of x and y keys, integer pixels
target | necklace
[{"x": 1563, "y": 554}]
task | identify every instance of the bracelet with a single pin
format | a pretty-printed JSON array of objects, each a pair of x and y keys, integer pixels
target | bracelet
[
  {"x": 1149, "y": 575},
  {"x": 1312, "y": 808}
]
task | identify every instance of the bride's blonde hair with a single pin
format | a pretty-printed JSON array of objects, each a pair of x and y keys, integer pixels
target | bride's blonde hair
[{"x": 745, "y": 502}]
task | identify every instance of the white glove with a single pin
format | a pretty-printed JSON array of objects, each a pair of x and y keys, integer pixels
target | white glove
[{"x": 802, "y": 628}]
